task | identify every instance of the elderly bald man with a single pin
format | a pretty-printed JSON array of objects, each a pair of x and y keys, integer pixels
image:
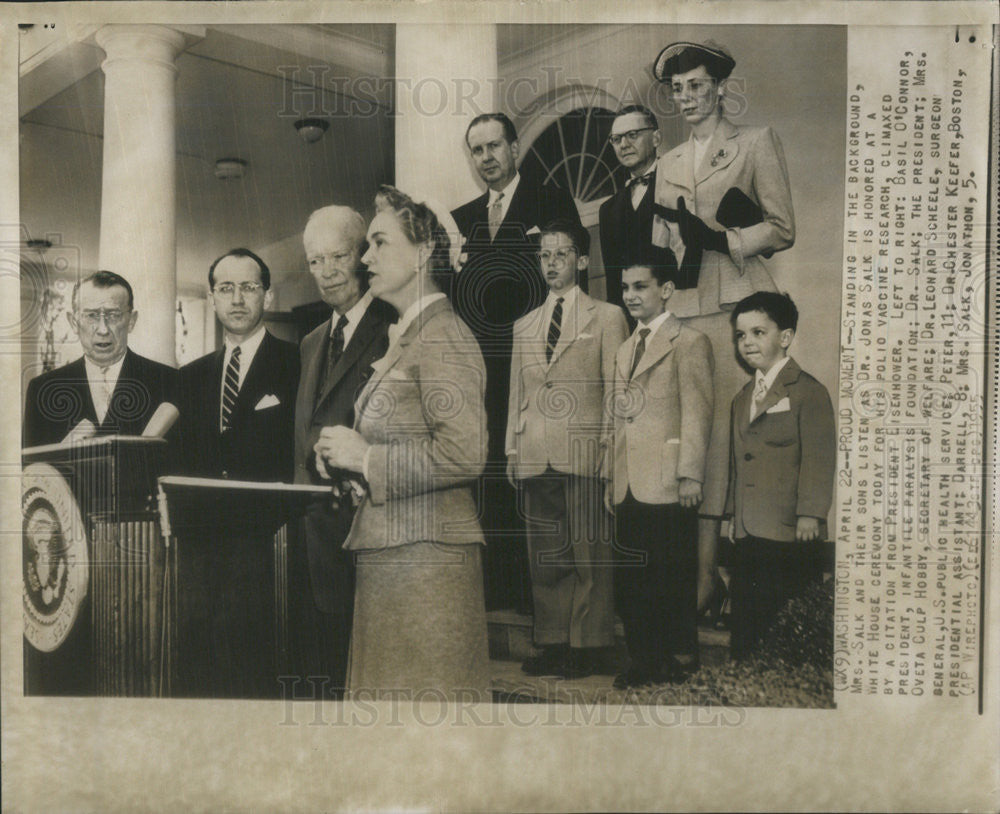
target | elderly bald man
[{"x": 336, "y": 359}]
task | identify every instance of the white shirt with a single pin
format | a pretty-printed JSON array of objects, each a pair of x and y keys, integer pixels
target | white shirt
[
  {"x": 410, "y": 314},
  {"x": 768, "y": 379},
  {"x": 248, "y": 349},
  {"x": 639, "y": 190},
  {"x": 508, "y": 194},
  {"x": 354, "y": 315},
  {"x": 569, "y": 301},
  {"x": 102, "y": 382},
  {"x": 653, "y": 325}
]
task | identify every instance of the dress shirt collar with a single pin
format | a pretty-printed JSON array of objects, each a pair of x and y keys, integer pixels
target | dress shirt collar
[
  {"x": 771, "y": 375},
  {"x": 248, "y": 345},
  {"x": 354, "y": 315},
  {"x": 653, "y": 325},
  {"x": 109, "y": 373},
  {"x": 569, "y": 299},
  {"x": 508, "y": 193}
]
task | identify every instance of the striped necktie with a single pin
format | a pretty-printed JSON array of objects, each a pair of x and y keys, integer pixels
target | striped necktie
[
  {"x": 230, "y": 388},
  {"x": 495, "y": 218},
  {"x": 759, "y": 392},
  {"x": 640, "y": 349},
  {"x": 555, "y": 328}
]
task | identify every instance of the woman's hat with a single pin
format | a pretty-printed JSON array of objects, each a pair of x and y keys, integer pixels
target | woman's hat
[{"x": 681, "y": 57}]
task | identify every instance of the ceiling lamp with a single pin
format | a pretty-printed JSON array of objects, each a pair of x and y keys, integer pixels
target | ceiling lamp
[
  {"x": 311, "y": 130},
  {"x": 226, "y": 168}
]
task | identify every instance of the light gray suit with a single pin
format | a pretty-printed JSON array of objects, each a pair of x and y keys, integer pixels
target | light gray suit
[{"x": 555, "y": 424}]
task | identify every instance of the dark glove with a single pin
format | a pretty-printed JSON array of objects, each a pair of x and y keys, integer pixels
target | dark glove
[{"x": 694, "y": 231}]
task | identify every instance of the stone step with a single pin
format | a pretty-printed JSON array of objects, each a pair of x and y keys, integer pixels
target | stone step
[{"x": 510, "y": 636}]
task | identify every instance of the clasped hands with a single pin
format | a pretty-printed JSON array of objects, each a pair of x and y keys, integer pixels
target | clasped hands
[{"x": 340, "y": 453}]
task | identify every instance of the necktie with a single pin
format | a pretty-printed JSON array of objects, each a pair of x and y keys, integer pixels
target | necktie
[
  {"x": 334, "y": 350},
  {"x": 759, "y": 392},
  {"x": 640, "y": 349},
  {"x": 495, "y": 216},
  {"x": 555, "y": 327},
  {"x": 104, "y": 394},
  {"x": 230, "y": 388},
  {"x": 640, "y": 179}
]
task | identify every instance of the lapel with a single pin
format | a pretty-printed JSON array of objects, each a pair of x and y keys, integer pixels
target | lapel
[
  {"x": 363, "y": 336},
  {"x": 382, "y": 366},
  {"x": 76, "y": 377},
  {"x": 678, "y": 170},
  {"x": 311, "y": 369},
  {"x": 788, "y": 375},
  {"x": 517, "y": 215},
  {"x": 661, "y": 344},
  {"x": 575, "y": 321},
  {"x": 723, "y": 148},
  {"x": 255, "y": 381}
]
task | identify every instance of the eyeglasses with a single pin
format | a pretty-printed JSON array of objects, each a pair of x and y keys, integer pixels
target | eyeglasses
[
  {"x": 630, "y": 136},
  {"x": 246, "y": 289},
  {"x": 559, "y": 255},
  {"x": 694, "y": 87},
  {"x": 111, "y": 318}
]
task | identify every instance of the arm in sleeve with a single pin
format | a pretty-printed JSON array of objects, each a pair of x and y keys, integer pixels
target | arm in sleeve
[
  {"x": 817, "y": 467},
  {"x": 614, "y": 334},
  {"x": 450, "y": 448},
  {"x": 695, "y": 367},
  {"x": 730, "y": 509},
  {"x": 771, "y": 189}
]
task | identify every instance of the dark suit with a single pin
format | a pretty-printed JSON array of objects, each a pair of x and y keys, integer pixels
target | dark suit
[
  {"x": 328, "y": 575},
  {"x": 59, "y": 400},
  {"x": 224, "y": 582},
  {"x": 626, "y": 238},
  {"x": 259, "y": 443},
  {"x": 499, "y": 283}
]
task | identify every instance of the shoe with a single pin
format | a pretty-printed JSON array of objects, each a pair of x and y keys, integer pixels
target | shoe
[
  {"x": 552, "y": 661},
  {"x": 676, "y": 672},
  {"x": 635, "y": 677},
  {"x": 582, "y": 662}
]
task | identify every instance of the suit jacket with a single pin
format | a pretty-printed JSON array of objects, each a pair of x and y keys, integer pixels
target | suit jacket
[
  {"x": 422, "y": 411},
  {"x": 662, "y": 414},
  {"x": 750, "y": 159},
  {"x": 325, "y": 528},
  {"x": 501, "y": 281},
  {"x": 58, "y": 400},
  {"x": 557, "y": 413},
  {"x": 782, "y": 464},
  {"x": 626, "y": 236},
  {"x": 259, "y": 444}
]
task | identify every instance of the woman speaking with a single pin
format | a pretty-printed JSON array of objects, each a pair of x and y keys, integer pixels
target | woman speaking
[
  {"x": 724, "y": 203},
  {"x": 418, "y": 444}
]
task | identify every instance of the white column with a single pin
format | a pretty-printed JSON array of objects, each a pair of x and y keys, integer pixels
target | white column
[
  {"x": 138, "y": 190},
  {"x": 446, "y": 74}
]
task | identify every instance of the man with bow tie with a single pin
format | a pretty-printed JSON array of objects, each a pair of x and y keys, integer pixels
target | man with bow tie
[
  {"x": 626, "y": 218},
  {"x": 336, "y": 362},
  {"x": 111, "y": 387},
  {"x": 237, "y": 403}
]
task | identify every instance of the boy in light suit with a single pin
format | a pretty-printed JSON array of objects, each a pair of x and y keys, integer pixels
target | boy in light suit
[
  {"x": 662, "y": 425},
  {"x": 782, "y": 463},
  {"x": 561, "y": 369}
]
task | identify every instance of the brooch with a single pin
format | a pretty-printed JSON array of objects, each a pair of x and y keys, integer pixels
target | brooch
[{"x": 715, "y": 158}]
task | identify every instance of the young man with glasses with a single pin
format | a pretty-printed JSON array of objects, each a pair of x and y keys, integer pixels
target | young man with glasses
[
  {"x": 626, "y": 218},
  {"x": 238, "y": 403},
  {"x": 562, "y": 371},
  {"x": 111, "y": 387}
]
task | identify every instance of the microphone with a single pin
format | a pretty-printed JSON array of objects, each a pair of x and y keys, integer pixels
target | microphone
[
  {"x": 85, "y": 429},
  {"x": 161, "y": 421}
]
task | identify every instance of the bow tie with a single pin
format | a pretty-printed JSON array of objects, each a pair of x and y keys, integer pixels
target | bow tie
[{"x": 641, "y": 179}]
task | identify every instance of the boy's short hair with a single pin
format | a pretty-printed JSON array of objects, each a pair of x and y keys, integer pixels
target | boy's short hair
[
  {"x": 778, "y": 307},
  {"x": 663, "y": 267},
  {"x": 579, "y": 236}
]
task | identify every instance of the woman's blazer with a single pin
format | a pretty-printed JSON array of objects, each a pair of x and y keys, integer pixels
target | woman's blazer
[
  {"x": 422, "y": 412},
  {"x": 751, "y": 160}
]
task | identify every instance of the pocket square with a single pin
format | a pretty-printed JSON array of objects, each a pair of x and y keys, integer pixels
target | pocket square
[
  {"x": 782, "y": 406},
  {"x": 584, "y": 336},
  {"x": 270, "y": 400}
]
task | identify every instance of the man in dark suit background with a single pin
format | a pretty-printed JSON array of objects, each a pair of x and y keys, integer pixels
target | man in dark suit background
[
  {"x": 112, "y": 387},
  {"x": 336, "y": 360},
  {"x": 238, "y": 402},
  {"x": 237, "y": 413},
  {"x": 626, "y": 218},
  {"x": 498, "y": 284}
]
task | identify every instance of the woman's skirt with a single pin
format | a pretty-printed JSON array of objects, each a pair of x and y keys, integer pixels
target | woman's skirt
[{"x": 419, "y": 628}]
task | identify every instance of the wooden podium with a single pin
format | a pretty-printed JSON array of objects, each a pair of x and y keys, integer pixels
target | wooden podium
[
  {"x": 96, "y": 572},
  {"x": 142, "y": 585}
]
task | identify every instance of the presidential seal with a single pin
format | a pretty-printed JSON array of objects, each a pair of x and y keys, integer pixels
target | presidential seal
[{"x": 54, "y": 557}]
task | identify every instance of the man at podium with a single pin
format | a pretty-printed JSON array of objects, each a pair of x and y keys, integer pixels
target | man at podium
[{"x": 110, "y": 389}]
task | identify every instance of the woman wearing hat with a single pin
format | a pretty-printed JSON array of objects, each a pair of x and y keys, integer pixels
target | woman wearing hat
[{"x": 724, "y": 202}]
